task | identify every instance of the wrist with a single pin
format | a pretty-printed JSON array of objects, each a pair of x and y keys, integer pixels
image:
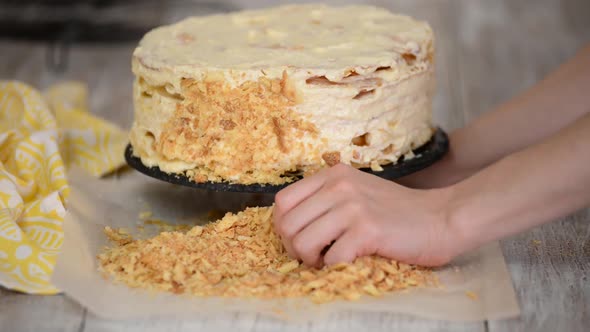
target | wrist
[
  {"x": 461, "y": 233},
  {"x": 446, "y": 240}
]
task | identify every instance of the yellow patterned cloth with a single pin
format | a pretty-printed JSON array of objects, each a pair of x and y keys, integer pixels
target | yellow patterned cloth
[{"x": 41, "y": 135}]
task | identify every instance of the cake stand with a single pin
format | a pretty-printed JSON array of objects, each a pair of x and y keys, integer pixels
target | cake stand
[{"x": 424, "y": 156}]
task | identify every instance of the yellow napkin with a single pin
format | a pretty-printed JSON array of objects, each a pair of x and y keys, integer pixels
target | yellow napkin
[{"x": 40, "y": 137}]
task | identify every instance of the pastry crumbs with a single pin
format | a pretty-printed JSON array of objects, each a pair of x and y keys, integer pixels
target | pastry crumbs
[
  {"x": 241, "y": 256},
  {"x": 331, "y": 158},
  {"x": 253, "y": 122}
]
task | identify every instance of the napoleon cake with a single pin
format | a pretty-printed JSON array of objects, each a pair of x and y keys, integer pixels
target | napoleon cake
[{"x": 262, "y": 96}]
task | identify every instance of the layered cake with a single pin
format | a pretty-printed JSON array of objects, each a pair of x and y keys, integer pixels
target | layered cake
[{"x": 263, "y": 96}]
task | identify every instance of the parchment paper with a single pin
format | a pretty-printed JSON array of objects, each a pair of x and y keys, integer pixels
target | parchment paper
[{"x": 117, "y": 202}]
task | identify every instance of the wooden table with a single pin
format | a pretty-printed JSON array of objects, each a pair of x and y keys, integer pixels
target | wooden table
[{"x": 487, "y": 51}]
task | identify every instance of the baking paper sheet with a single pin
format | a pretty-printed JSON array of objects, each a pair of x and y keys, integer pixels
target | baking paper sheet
[{"x": 476, "y": 286}]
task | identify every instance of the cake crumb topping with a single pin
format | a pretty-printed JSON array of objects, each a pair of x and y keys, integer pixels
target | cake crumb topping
[{"x": 240, "y": 255}]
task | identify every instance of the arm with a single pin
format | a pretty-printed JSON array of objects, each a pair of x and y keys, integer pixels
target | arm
[
  {"x": 558, "y": 100},
  {"x": 526, "y": 189},
  {"x": 364, "y": 215}
]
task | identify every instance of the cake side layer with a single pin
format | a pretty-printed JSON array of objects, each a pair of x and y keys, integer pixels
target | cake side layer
[
  {"x": 374, "y": 119},
  {"x": 247, "y": 134},
  {"x": 261, "y": 130}
]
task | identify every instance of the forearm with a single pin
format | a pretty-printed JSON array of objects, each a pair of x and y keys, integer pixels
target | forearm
[
  {"x": 528, "y": 188},
  {"x": 552, "y": 104},
  {"x": 538, "y": 113}
]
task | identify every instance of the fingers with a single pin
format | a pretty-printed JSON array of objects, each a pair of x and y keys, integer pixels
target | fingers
[
  {"x": 289, "y": 198},
  {"x": 294, "y": 194},
  {"x": 303, "y": 214},
  {"x": 311, "y": 241},
  {"x": 352, "y": 244},
  {"x": 288, "y": 224},
  {"x": 310, "y": 214}
]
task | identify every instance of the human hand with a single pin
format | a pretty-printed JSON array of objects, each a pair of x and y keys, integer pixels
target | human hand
[{"x": 360, "y": 214}]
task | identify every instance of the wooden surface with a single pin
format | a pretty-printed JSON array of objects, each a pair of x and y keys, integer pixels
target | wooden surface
[{"x": 487, "y": 51}]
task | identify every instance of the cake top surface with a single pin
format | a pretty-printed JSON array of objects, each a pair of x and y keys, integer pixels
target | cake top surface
[{"x": 303, "y": 36}]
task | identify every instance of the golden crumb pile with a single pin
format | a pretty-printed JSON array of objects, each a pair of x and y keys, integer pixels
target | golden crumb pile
[{"x": 241, "y": 256}]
